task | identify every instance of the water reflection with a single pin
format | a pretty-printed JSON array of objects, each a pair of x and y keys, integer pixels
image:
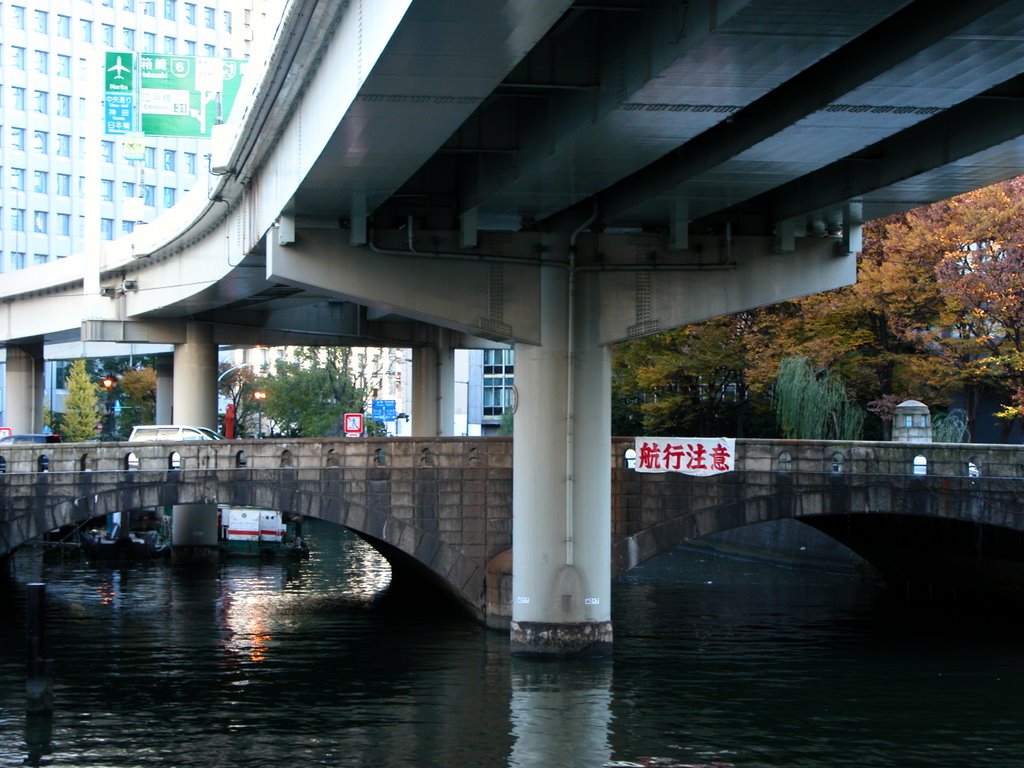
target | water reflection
[
  {"x": 715, "y": 662},
  {"x": 560, "y": 712}
]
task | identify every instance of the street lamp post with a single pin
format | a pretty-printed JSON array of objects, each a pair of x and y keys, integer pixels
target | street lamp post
[
  {"x": 108, "y": 383},
  {"x": 259, "y": 396}
]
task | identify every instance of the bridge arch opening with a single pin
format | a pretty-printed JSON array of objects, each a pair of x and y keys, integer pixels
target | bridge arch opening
[
  {"x": 973, "y": 467},
  {"x": 287, "y": 460},
  {"x": 131, "y": 461},
  {"x": 837, "y": 463},
  {"x": 920, "y": 464},
  {"x": 241, "y": 459},
  {"x": 784, "y": 462},
  {"x": 174, "y": 460},
  {"x": 629, "y": 458}
]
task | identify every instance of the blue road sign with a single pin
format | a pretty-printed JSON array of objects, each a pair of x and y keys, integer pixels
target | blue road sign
[{"x": 384, "y": 410}]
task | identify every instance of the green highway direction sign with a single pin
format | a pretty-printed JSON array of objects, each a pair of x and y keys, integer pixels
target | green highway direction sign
[{"x": 179, "y": 96}]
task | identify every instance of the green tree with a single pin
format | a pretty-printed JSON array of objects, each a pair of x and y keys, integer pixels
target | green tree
[
  {"x": 309, "y": 395},
  {"x": 136, "y": 391},
  {"x": 813, "y": 405},
  {"x": 81, "y": 405}
]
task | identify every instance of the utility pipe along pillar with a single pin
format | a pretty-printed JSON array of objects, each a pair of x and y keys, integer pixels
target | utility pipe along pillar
[
  {"x": 561, "y": 486},
  {"x": 24, "y": 385},
  {"x": 195, "y": 377}
]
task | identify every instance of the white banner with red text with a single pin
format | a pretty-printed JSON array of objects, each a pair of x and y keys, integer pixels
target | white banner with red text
[{"x": 688, "y": 455}]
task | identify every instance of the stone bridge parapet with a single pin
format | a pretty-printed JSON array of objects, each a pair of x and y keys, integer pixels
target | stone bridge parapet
[{"x": 446, "y": 503}]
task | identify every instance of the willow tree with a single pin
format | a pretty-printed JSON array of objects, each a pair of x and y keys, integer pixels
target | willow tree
[
  {"x": 81, "y": 405},
  {"x": 813, "y": 405}
]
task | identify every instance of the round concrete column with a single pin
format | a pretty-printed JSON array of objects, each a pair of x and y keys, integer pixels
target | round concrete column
[
  {"x": 561, "y": 487},
  {"x": 195, "y": 378},
  {"x": 425, "y": 411},
  {"x": 24, "y": 386},
  {"x": 165, "y": 390}
]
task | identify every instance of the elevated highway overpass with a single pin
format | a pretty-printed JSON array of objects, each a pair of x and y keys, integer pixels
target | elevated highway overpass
[{"x": 551, "y": 174}]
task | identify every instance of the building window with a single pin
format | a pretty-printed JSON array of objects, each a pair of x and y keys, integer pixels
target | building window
[
  {"x": 128, "y": 38},
  {"x": 63, "y": 105},
  {"x": 17, "y": 260},
  {"x": 208, "y": 17},
  {"x": 127, "y": 189},
  {"x": 107, "y": 148},
  {"x": 498, "y": 380},
  {"x": 17, "y": 57},
  {"x": 42, "y": 62},
  {"x": 148, "y": 194},
  {"x": 190, "y": 47},
  {"x": 19, "y": 97},
  {"x": 170, "y": 10},
  {"x": 190, "y": 13},
  {"x": 127, "y": 227},
  {"x": 190, "y": 163},
  {"x": 107, "y": 229},
  {"x": 64, "y": 26},
  {"x": 63, "y": 145},
  {"x": 64, "y": 185},
  {"x": 41, "y": 141},
  {"x": 18, "y": 139},
  {"x": 129, "y": 5},
  {"x": 42, "y": 99},
  {"x": 18, "y": 12},
  {"x": 42, "y": 21},
  {"x": 40, "y": 182},
  {"x": 64, "y": 224},
  {"x": 168, "y": 159},
  {"x": 169, "y": 196},
  {"x": 107, "y": 190},
  {"x": 108, "y": 34},
  {"x": 18, "y": 219},
  {"x": 86, "y": 30},
  {"x": 209, "y": 50},
  {"x": 149, "y": 157},
  {"x": 227, "y": 20},
  {"x": 169, "y": 44},
  {"x": 18, "y": 179},
  {"x": 148, "y": 42},
  {"x": 149, "y": 8},
  {"x": 63, "y": 65},
  {"x": 40, "y": 223},
  {"x": 39, "y": 258}
]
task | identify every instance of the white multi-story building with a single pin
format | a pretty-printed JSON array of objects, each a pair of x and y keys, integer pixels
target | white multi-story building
[{"x": 49, "y": 50}]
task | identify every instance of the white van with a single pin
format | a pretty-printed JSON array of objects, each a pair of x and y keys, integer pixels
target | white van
[{"x": 160, "y": 433}]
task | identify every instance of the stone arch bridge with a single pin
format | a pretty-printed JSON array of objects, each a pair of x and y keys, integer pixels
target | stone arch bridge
[{"x": 931, "y": 517}]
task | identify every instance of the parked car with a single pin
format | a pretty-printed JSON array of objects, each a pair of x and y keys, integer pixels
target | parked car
[
  {"x": 158, "y": 433},
  {"x": 25, "y": 438}
]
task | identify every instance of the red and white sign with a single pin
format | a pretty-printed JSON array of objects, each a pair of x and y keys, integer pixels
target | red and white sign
[
  {"x": 6, "y": 431},
  {"x": 353, "y": 424},
  {"x": 688, "y": 455}
]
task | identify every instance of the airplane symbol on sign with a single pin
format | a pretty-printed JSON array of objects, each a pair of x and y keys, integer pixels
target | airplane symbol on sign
[{"x": 119, "y": 69}]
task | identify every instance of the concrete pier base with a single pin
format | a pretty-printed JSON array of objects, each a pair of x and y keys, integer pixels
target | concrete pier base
[
  {"x": 194, "y": 533},
  {"x": 592, "y": 638}
]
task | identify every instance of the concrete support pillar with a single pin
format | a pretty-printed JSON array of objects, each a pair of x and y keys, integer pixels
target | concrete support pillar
[
  {"x": 165, "y": 390},
  {"x": 561, "y": 509},
  {"x": 446, "y": 385},
  {"x": 195, "y": 377},
  {"x": 24, "y": 386},
  {"x": 194, "y": 531},
  {"x": 425, "y": 417},
  {"x": 433, "y": 387}
]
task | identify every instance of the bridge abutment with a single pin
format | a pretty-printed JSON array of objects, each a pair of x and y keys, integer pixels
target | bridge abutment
[{"x": 561, "y": 519}]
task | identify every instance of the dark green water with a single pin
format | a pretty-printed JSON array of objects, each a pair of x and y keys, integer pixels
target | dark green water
[{"x": 717, "y": 661}]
